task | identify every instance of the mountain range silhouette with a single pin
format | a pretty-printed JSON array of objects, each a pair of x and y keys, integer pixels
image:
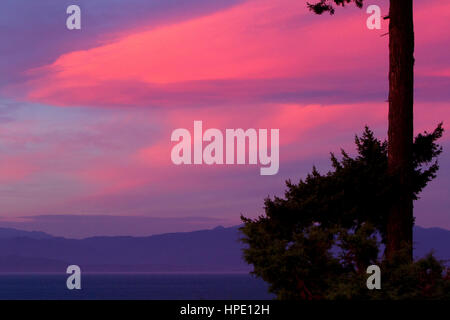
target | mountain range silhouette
[{"x": 216, "y": 250}]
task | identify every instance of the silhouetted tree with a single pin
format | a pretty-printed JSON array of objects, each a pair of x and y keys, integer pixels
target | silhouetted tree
[
  {"x": 318, "y": 240},
  {"x": 400, "y": 132}
]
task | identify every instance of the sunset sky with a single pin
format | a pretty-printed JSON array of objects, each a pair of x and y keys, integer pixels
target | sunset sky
[{"x": 86, "y": 115}]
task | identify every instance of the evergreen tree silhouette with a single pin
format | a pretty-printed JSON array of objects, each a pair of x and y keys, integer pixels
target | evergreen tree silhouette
[
  {"x": 317, "y": 241},
  {"x": 400, "y": 132}
]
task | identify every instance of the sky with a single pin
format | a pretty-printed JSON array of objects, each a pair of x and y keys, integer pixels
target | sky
[{"x": 86, "y": 115}]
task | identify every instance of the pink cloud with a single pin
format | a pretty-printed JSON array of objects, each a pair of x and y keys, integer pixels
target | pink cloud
[
  {"x": 230, "y": 56},
  {"x": 120, "y": 178},
  {"x": 254, "y": 40},
  {"x": 15, "y": 169},
  {"x": 302, "y": 132}
]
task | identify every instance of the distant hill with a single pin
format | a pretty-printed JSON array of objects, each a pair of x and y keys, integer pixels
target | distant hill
[
  {"x": 215, "y": 250},
  {"x": 14, "y": 233},
  {"x": 436, "y": 239}
]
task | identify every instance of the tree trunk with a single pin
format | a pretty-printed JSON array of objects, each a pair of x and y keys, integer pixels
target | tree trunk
[{"x": 400, "y": 133}]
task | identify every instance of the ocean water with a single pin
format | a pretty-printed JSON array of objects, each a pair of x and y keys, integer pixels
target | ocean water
[{"x": 134, "y": 286}]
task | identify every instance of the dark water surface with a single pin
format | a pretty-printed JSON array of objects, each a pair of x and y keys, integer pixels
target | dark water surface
[{"x": 134, "y": 286}]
